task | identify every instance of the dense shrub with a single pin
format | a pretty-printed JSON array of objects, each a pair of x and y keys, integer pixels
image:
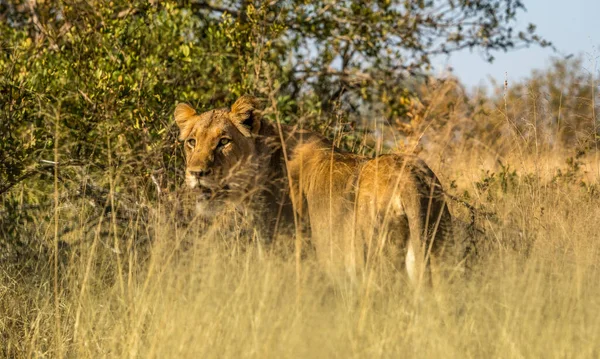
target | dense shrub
[{"x": 90, "y": 87}]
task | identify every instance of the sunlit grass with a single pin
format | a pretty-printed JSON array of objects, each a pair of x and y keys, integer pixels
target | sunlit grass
[{"x": 532, "y": 291}]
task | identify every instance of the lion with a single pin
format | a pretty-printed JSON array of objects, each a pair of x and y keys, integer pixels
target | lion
[
  {"x": 233, "y": 165},
  {"x": 357, "y": 208}
]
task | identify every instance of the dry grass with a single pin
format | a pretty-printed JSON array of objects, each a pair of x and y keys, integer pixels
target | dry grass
[
  {"x": 154, "y": 286},
  {"x": 533, "y": 290}
]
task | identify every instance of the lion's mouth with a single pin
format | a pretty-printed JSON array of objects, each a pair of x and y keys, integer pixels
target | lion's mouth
[{"x": 206, "y": 193}]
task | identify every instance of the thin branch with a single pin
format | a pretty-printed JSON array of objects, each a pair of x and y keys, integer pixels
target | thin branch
[{"x": 42, "y": 165}]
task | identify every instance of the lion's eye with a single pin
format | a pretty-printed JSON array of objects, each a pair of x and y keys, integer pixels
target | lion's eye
[
  {"x": 224, "y": 141},
  {"x": 191, "y": 142}
]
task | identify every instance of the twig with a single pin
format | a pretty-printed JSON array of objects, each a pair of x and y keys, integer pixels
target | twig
[
  {"x": 42, "y": 165},
  {"x": 158, "y": 190},
  {"x": 474, "y": 210}
]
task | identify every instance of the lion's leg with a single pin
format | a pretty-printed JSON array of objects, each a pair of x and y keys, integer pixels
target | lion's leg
[
  {"x": 339, "y": 251},
  {"x": 354, "y": 251},
  {"x": 418, "y": 265},
  {"x": 417, "y": 258},
  {"x": 411, "y": 264}
]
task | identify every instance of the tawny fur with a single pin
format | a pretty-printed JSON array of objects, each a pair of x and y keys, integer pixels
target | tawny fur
[{"x": 358, "y": 208}]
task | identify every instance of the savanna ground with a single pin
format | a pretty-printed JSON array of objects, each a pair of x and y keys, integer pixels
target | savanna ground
[
  {"x": 150, "y": 286},
  {"x": 100, "y": 256}
]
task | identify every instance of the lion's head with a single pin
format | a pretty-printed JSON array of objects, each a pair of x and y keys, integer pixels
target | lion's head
[{"x": 220, "y": 147}]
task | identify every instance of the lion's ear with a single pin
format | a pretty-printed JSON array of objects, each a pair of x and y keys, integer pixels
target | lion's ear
[
  {"x": 183, "y": 114},
  {"x": 245, "y": 115}
]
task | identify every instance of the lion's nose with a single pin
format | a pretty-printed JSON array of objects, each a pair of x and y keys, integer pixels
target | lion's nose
[{"x": 201, "y": 173}]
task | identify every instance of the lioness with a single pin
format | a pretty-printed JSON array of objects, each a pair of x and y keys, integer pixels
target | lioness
[{"x": 357, "y": 207}]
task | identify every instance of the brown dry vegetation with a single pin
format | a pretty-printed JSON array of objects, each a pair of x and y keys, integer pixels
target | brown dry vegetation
[
  {"x": 151, "y": 285},
  {"x": 95, "y": 263}
]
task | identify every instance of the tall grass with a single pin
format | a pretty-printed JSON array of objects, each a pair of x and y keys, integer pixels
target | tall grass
[
  {"x": 160, "y": 283},
  {"x": 176, "y": 289}
]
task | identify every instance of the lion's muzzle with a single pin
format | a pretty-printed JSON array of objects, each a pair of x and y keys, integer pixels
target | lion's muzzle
[
  {"x": 199, "y": 178},
  {"x": 201, "y": 173}
]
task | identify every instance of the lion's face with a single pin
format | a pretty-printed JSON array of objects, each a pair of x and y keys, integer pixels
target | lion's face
[{"x": 219, "y": 145}]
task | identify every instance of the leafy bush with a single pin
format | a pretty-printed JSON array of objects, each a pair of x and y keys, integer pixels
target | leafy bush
[{"x": 90, "y": 87}]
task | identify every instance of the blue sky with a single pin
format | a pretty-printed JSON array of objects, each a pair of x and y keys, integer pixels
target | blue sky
[{"x": 572, "y": 25}]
